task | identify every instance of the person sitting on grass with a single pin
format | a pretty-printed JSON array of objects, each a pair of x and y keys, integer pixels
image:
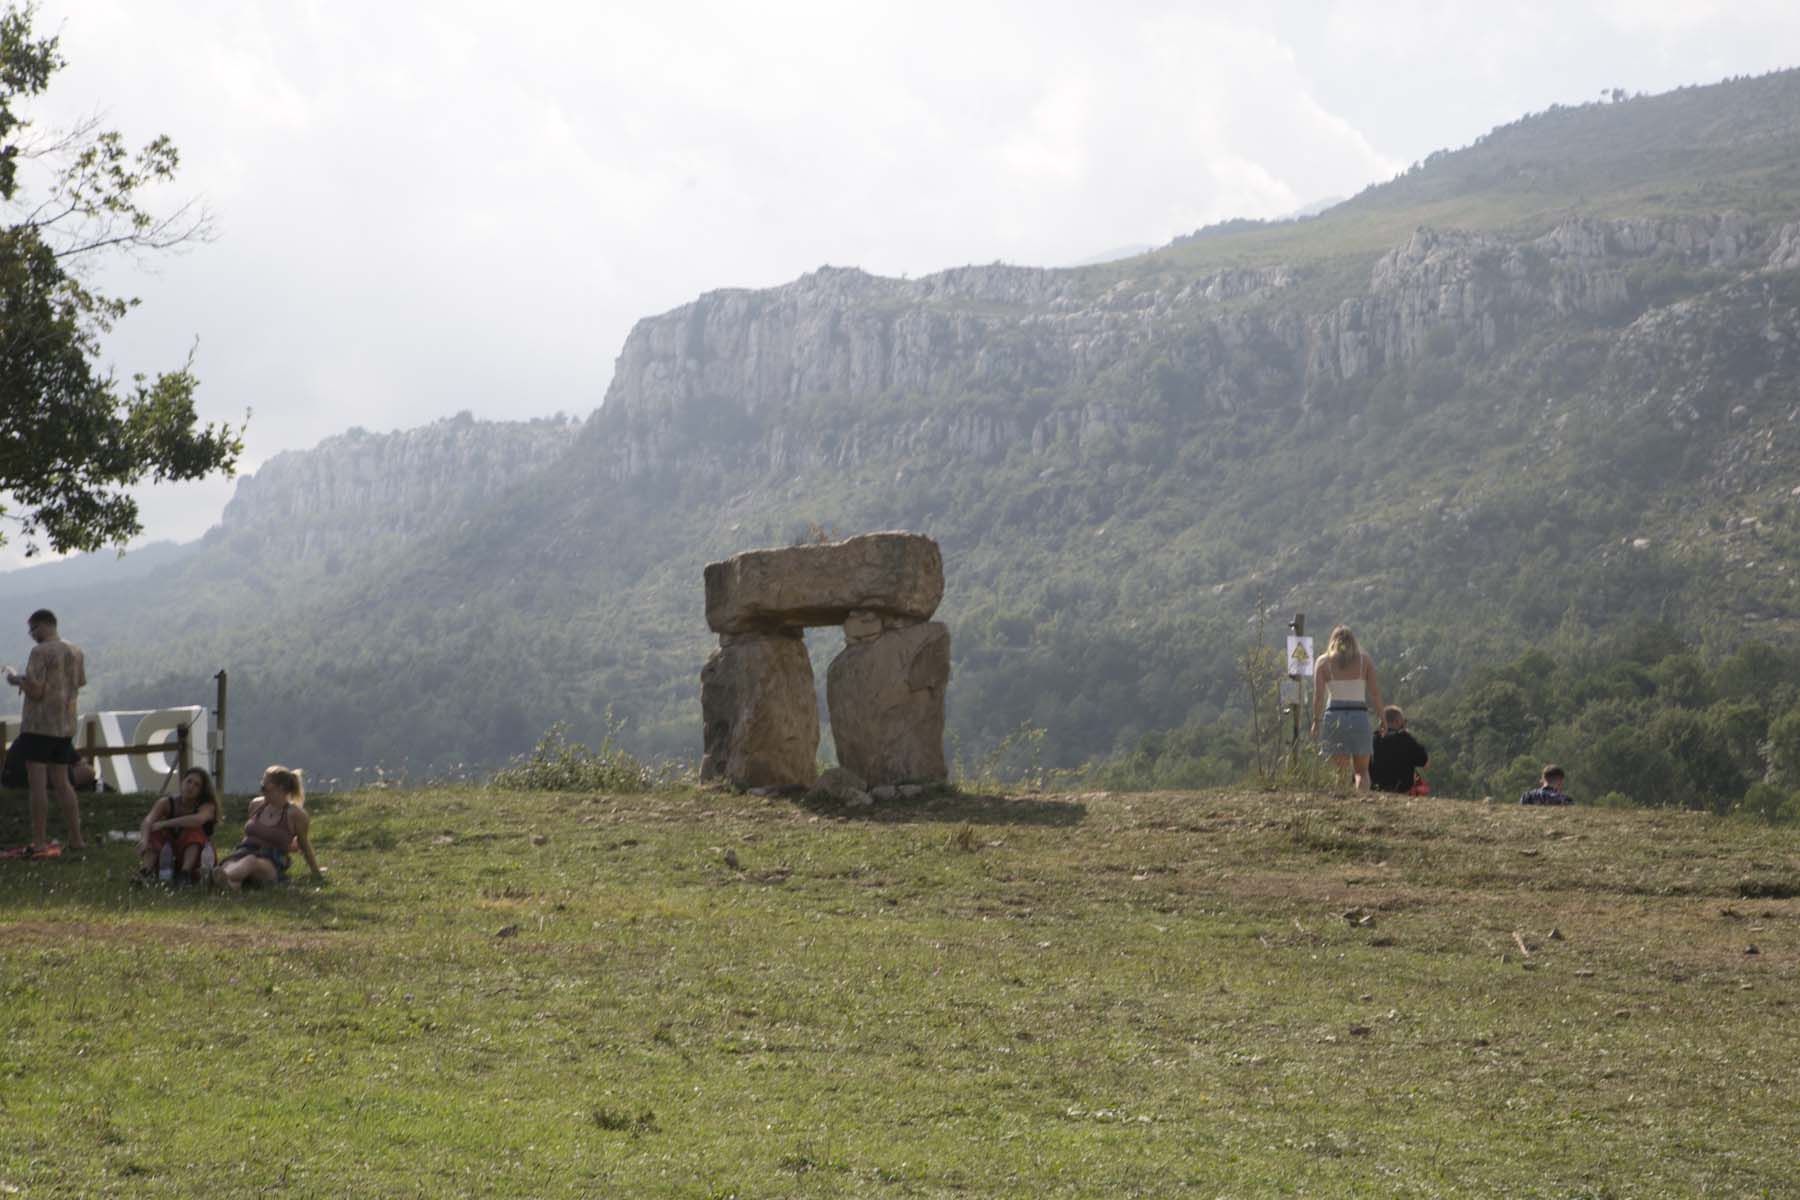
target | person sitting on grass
[
  {"x": 278, "y": 823},
  {"x": 1549, "y": 789},
  {"x": 1394, "y": 767},
  {"x": 184, "y": 823}
]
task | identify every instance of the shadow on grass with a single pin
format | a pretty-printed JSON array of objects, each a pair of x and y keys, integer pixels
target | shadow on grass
[
  {"x": 100, "y": 878},
  {"x": 947, "y": 806},
  {"x": 102, "y": 889}
]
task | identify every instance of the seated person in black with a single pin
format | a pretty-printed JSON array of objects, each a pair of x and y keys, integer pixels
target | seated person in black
[
  {"x": 1549, "y": 789},
  {"x": 82, "y": 774},
  {"x": 1398, "y": 754}
]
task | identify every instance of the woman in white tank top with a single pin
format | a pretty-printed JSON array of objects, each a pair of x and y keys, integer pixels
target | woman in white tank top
[{"x": 1346, "y": 693}]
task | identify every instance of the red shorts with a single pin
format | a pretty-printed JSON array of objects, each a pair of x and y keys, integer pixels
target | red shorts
[{"x": 181, "y": 839}]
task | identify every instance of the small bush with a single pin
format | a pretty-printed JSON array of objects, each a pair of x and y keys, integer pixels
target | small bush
[
  {"x": 1015, "y": 760},
  {"x": 559, "y": 765},
  {"x": 1770, "y": 803},
  {"x": 1307, "y": 771}
]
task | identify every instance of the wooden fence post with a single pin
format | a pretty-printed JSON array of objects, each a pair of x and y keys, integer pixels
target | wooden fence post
[
  {"x": 219, "y": 744},
  {"x": 1297, "y": 627}
]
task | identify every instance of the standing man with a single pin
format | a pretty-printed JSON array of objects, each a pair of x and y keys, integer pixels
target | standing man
[{"x": 53, "y": 676}]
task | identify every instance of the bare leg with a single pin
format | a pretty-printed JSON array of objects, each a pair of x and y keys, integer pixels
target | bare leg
[
  {"x": 1342, "y": 763},
  {"x": 190, "y": 863},
  {"x": 71, "y": 806},
  {"x": 37, "y": 779},
  {"x": 148, "y": 859},
  {"x": 235, "y": 873},
  {"x": 1361, "y": 766}
]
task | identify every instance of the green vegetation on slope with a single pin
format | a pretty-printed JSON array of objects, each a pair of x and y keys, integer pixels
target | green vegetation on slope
[{"x": 1691, "y": 151}]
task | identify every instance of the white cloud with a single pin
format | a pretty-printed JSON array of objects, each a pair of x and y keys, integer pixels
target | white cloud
[{"x": 1053, "y": 147}]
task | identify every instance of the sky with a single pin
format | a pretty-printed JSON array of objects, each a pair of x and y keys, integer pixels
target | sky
[{"x": 428, "y": 206}]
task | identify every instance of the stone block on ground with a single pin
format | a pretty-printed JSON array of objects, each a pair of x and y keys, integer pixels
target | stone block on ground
[
  {"x": 893, "y": 575},
  {"x": 840, "y": 786},
  {"x": 760, "y": 713},
  {"x": 886, "y": 698}
]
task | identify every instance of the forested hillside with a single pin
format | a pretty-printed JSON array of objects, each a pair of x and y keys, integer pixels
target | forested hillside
[{"x": 1527, "y": 416}]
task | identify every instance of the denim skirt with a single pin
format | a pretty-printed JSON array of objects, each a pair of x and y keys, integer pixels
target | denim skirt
[{"x": 1346, "y": 730}]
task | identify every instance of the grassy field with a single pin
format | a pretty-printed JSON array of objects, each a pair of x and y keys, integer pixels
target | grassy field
[{"x": 697, "y": 994}]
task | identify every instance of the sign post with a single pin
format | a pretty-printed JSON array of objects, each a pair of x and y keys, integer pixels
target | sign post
[{"x": 1299, "y": 666}]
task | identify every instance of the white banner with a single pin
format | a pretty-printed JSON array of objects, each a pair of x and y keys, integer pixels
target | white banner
[{"x": 141, "y": 727}]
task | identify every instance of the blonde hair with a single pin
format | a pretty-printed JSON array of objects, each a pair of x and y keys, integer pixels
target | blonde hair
[
  {"x": 288, "y": 780},
  {"x": 1341, "y": 648}
]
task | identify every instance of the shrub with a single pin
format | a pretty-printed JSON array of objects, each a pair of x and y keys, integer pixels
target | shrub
[
  {"x": 1015, "y": 759},
  {"x": 1772, "y": 804},
  {"x": 559, "y": 765}
]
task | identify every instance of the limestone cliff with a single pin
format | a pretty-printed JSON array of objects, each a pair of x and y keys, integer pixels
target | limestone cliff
[
  {"x": 359, "y": 489},
  {"x": 839, "y": 367}
]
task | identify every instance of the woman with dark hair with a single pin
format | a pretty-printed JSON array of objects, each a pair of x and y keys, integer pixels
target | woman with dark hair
[
  {"x": 278, "y": 824},
  {"x": 1345, "y": 692},
  {"x": 184, "y": 823}
]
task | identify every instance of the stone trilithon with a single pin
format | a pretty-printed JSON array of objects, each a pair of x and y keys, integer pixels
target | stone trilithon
[{"x": 885, "y": 691}]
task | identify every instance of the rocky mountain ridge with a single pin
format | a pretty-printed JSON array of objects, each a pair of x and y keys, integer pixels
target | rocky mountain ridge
[
  {"x": 1028, "y": 358},
  {"x": 361, "y": 490}
]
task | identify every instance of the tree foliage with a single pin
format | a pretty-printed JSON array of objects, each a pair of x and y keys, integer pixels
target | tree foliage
[{"x": 73, "y": 437}]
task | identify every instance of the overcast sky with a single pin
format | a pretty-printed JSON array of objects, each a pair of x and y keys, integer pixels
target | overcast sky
[{"x": 430, "y": 206}]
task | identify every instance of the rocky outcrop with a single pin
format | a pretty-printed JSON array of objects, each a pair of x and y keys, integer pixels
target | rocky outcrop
[
  {"x": 1034, "y": 360},
  {"x": 1784, "y": 251},
  {"x": 1696, "y": 361},
  {"x": 353, "y": 490}
]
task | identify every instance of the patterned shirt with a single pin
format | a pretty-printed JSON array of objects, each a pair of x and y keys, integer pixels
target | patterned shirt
[
  {"x": 1545, "y": 794},
  {"x": 59, "y": 668}
]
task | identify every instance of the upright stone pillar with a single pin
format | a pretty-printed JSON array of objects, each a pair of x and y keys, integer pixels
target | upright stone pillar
[
  {"x": 760, "y": 711},
  {"x": 885, "y": 692}
]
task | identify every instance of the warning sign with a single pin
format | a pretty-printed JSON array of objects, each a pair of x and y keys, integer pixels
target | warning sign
[{"x": 1299, "y": 655}]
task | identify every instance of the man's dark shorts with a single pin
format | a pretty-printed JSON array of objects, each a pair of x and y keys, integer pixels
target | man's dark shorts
[{"x": 42, "y": 748}]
